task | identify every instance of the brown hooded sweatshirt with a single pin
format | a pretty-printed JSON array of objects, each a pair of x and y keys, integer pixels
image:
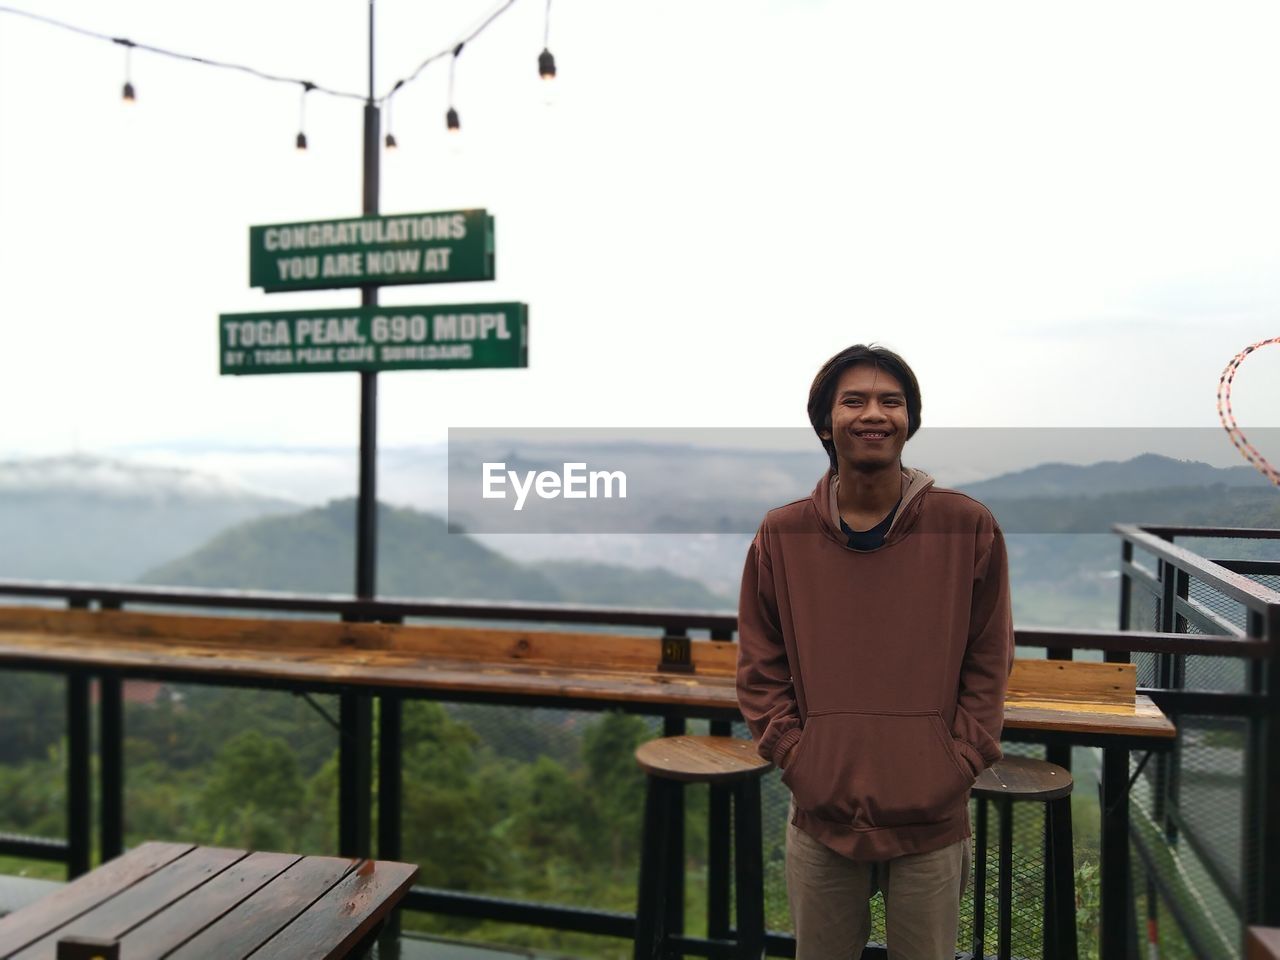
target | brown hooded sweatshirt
[{"x": 876, "y": 678}]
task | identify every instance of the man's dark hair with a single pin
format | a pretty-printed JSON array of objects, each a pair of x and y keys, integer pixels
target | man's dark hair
[{"x": 822, "y": 393}]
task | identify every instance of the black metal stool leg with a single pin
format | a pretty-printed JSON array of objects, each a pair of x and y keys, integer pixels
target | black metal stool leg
[
  {"x": 1049, "y": 914},
  {"x": 673, "y": 895},
  {"x": 980, "y": 882},
  {"x": 651, "y": 911},
  {"x": 748, "y": 868},
  {"x": 1064, "y": 893},
  {"x": 718, "y": 861},
  {"x": 1004, "y": 917}
]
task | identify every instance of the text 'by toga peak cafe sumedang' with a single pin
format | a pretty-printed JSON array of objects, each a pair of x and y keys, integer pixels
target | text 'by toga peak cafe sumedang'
[{"x": 447, "y": 247}]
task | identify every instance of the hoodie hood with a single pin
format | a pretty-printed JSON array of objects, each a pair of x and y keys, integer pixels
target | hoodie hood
[{"x": 916, "y": 482}]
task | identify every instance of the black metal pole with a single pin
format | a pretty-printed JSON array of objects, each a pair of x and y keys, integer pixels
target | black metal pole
[
  {"x": 79, "y": 776},
  {"x": 355, "y": 774},
  {"x": 111, "y": 760},
  {"x": 673, "y": 725},
  {"x": 718, "y": 833},
  {"x": 390, "y": 790},
  {"x": 367, "y": 505},
  {"x": 355, "y": 770},
  {"x": 1267, "y": 756},
  {"x": 1117, "y": 938},
  {"x": 1114, "y": 855}
]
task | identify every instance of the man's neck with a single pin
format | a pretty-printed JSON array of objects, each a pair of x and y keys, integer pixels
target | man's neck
[{"x": 863, "y": 493}]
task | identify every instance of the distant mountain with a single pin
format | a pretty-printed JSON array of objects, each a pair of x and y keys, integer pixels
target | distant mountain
[
  {"x": 1217, "y": 505},
  {"x": 592, "y": 583},
  {"x": 1149, "y": 471},
  {"x": 313, "y": 552},
  {"x": 94, "y": 518}
]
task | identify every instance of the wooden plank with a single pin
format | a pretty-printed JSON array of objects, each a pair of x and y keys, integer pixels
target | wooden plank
[
  {"x": 400, "y": 671},
  {"x": 1145, "y": 720},
  {"x": 266, "y": 632},
  {"x": 50, "y": 914},
  {"x": 253, "y": 921},
  {"x": 133, "y": 906},
  {"x": 336, "y": 922},
  {"x": 1073, "y": 681},
  {"x": 607, "y": 651},
  {"x": 350, "y": 668},
  {"x": 171, "y": 928},
  {"x": 1042, "y": 693}
]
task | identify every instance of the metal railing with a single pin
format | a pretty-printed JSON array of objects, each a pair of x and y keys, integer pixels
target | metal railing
[
  {"x": 1212, "y": 805},
  {"x": 1185, "y": 630}
]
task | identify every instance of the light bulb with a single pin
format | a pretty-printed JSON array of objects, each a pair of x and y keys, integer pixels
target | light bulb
[{"x": 546, "y": 65}]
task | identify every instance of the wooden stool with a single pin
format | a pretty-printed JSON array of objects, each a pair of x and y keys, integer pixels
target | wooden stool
[
  {"x": 1008, "y": 781},
  {"x": 670, "y": 763}
]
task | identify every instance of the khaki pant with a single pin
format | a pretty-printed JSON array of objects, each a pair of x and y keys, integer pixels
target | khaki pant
[{"x": 830, "y": 898}]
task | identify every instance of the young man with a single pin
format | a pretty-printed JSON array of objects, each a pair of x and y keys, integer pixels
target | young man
[{"x": 875, "y": 644}]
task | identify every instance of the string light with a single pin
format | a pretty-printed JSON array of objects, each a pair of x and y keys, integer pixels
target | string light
[
  {"x": 301, "y": 141},
  {"x": 451, "y": 118},
  {"x": 546, "y": 65},
  {"x": 128, "y": 95},
  {"x": 546, "y": 62},
  {"x": 391, "y": 137}
]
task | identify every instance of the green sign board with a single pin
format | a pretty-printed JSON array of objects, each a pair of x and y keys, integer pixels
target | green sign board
[
  {"x": 447, "y": 247},
  {"x": 375, "y": 338}
]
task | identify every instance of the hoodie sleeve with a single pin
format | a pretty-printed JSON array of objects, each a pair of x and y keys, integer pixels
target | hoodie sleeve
[
  {"x": 988, "y": 659},
  {"x": 766, "y": 696}
]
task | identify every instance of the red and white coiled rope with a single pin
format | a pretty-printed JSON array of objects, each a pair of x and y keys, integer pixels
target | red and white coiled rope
[{"x": 1229, "y": 421}]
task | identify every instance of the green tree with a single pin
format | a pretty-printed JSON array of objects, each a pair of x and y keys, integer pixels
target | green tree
[
  {"x": 616, "y": 783},
  {"x": 253, "y": 797}
]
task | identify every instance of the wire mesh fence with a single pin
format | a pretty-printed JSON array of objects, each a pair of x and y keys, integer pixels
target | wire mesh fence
[
  {"x": 1191, "y": 805},
  {"x": 587, "y": 853}
]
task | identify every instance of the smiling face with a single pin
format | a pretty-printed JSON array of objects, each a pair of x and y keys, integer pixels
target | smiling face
[{"x": 868, "y": 418}]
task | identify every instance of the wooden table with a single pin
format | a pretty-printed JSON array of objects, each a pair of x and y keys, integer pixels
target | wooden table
[
  {"x": 1053, "y": 702},
  {"x": 185, "y": 902}
]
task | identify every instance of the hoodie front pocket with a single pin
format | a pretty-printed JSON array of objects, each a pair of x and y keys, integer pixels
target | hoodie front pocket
[{"x": 876, "y": 769}]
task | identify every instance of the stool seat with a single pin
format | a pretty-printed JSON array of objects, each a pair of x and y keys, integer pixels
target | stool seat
[
  {"x": 1023, "y": 778},
  {"x": 701, "y": 759}
]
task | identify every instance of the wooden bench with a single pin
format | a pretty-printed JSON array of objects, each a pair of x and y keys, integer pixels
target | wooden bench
[
  {"x": 1089, "y": 700},
  {"x": 185, "y": 902}
]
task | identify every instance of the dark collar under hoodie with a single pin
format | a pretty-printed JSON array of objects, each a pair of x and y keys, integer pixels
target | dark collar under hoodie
[{"x": 876, "y": 678}]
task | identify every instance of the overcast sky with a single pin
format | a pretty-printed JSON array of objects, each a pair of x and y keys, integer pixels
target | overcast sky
[{"x": 1061, "y": 215}]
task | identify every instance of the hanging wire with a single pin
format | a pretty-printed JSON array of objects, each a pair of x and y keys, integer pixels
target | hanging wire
[
  {"x": 451, "y": 118},
  {"x": 254, "y": 71},
  {"x": 1247, "y": 450},
  {"x": 129, "y": 45},
  {"x": 161, "y": 51},
  {"x": 301, "y": 142},
  {"x": 440, "y": 55},
  {"x": 391, "y": 137},
  {"x": 128, "y": 94}
]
